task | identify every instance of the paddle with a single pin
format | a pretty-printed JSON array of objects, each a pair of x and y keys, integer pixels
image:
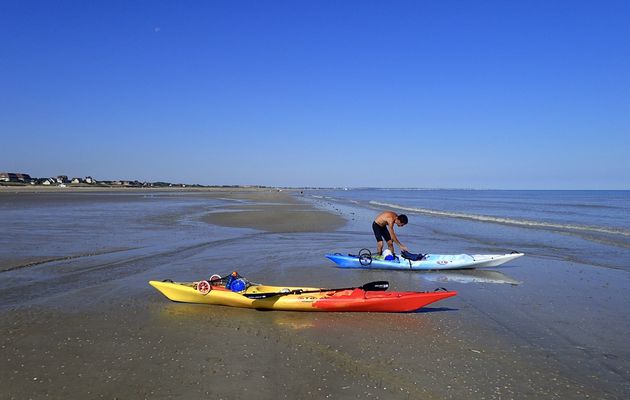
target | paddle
[{"x": 375, "y": 286}]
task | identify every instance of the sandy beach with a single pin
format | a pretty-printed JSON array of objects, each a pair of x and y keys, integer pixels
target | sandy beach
[{"x": 79, "y": 320}]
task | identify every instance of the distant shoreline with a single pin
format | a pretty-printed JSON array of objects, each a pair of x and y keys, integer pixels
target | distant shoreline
[
  {"x": 9, "y": 186},
  {"x": 102, "y": 188}
]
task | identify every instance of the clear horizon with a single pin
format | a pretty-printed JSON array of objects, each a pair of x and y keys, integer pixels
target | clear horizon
[{"x": 415, "y": 94}]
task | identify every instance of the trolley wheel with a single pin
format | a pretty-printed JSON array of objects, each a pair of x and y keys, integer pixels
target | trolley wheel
[
  {"x": 203, "y": 287},
  {"x": 365, "y": 257}
]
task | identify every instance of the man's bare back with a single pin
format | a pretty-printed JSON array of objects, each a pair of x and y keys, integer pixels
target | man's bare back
[{"x": 386, "y": 218}]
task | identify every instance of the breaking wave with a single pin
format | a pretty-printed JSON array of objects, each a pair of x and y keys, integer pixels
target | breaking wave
[{"x": 508, "y": 221}]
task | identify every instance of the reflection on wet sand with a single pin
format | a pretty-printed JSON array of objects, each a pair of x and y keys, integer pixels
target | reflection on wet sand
[
  {"x": 470, "y": 276},
  {"x": 327, "y": 322}
]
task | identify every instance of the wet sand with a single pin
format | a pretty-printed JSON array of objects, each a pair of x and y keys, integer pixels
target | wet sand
[
  {"x": 91, "y": 327},
  {"x": 277, "y": 212}
]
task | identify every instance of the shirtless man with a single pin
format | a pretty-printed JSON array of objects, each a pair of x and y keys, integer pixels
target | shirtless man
[{"x": 383, "y": 227}]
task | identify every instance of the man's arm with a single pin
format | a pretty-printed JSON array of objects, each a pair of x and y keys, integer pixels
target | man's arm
[{"x": 390, "y": 226}]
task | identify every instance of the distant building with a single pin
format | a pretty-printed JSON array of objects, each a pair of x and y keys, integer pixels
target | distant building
[
  {"x": 23, "y": 177},
  {"x": 128, "y": 183},
  {"x": 88, "y": 179},
  {"x": 62, "y": 179},
  {"x": 14, "y": 177},
  {"x": 75, "y": 180}
]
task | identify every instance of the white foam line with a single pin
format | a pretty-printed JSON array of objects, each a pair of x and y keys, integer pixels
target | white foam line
[{"x": 501, "y": 220}]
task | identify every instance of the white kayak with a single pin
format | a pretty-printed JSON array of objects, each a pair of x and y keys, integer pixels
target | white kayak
[{"x": 366, "y": 260}]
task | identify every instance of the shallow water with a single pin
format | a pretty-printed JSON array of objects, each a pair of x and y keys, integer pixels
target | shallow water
[
  {"x": 565, "y": 302},
  {"x": 581, "y": 226},
  {"x": 40, "y": 227},
  {"x": 552, "y": 324}
]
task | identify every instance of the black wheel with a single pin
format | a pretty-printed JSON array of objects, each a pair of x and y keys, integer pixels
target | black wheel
[{"x": 365, "y": 257}]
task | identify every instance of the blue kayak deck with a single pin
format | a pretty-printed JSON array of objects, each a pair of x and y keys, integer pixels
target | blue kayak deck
[{"x": 429, "y": 262}]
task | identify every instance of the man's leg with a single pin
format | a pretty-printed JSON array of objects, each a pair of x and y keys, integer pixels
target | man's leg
[
  {"x": 390, "y": 245},
  {"x": 379, "y": 247}
]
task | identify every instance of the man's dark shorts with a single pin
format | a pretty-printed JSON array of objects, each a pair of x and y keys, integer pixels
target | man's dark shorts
[{"x": 381, "y": 232}]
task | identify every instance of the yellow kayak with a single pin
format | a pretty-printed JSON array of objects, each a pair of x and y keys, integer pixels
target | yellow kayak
[{"x": 299, "y": 298}]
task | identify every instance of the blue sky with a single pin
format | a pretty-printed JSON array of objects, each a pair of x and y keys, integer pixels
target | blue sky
[{"x": 448, "y": 94}]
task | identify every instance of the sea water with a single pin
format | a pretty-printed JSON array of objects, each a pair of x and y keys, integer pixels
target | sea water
[
  {"x": 580, "y": 226},
  {"x": 40, "y": 227},
  {"x": 563, "y": 309}
]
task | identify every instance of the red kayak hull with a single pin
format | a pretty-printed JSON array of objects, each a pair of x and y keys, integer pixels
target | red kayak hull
[{"x": 359, "y": 300}]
